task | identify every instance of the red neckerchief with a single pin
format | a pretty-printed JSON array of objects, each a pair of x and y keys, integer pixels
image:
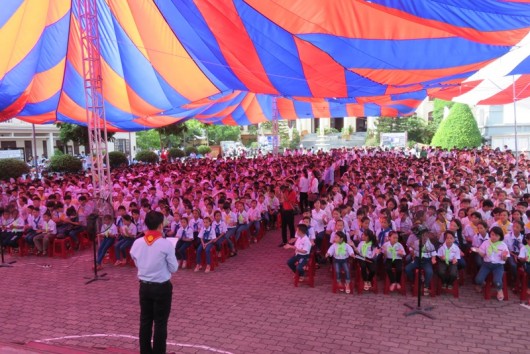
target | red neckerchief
[{"x": 151, "y": 236}]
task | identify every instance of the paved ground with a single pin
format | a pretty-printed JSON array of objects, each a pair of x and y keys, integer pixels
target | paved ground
[{"x": 248, "y": 305}]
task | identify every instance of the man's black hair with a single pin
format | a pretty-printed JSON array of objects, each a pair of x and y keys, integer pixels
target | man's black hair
[{"x": 153, "y": 219}]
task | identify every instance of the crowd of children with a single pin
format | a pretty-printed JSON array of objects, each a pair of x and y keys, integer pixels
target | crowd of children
[{"x": 360, "y": 202}]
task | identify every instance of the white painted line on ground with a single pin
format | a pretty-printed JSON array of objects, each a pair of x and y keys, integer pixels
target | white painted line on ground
[{"x": 184, "y": 345}]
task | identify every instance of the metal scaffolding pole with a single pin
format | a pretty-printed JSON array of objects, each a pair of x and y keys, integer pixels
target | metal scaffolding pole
[
  {"x": 94, "y": 104},
  {"x": 275, "y": 130}
]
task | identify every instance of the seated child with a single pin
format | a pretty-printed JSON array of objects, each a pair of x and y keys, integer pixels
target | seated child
[
  {"x": 393, "y": 252},
  {"x": 428, "y": 255},
  {"x": 478, "y": 239},
  {"x": 341, "y": 251},
  {"x": 495, "y": 253},
  {"x": 524, "y": 257},
  {"x": 45, "y": 235},
  {"x": 207, "y": 238},
  {"x": 108, "y": 234},
  {"x": 14, "y": 231},
  {"x": 185, "y": 240},
  {"x": 302, "y": 248},
  {"x": 368, "y": 250},
  {"x": 449, "y": 254},
  {"x": 127, "y": 236}
]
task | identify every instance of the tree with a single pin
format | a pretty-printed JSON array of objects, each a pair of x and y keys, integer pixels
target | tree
[
  {"x": 437, "y": 116},
  {"x": 77, "y": 134},
  {"x": 295, "y": 142},
  {"x": 172, "y": 134},
  {"x": 459, "y": 130},
  {"x": 148, "y": 139},
  {"x": 218, "y": 133},
  {"x": 415, "y": 127}
]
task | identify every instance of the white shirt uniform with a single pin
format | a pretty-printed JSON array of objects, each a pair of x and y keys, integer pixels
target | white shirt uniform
[
  {"x": 365, "y": 250},
  {"x": 333, "y": 251},
  {"x": 524, "y": 253},
  {"x": 219, "y": 228},
  {"x": 318, "y": 218},
  {"x": 478, "y": 239},
  {"x": 156, "y": 262},
  {"x": 185, "y": 233},
  {"x": 514, "y": 243},
  {"x": 389, "y": 254},
  {"x": 304, "y": 244},
  {"x": 493, "y": 253},
  {"x": 450, "y": 254}
]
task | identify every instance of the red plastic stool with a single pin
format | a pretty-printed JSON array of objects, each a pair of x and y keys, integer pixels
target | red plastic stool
[
  {"x": 244, "y": 240},
  {"x": 335, "y": 286},
  {"x": 62, "y": 247},
  {"x": 432, "y": 289},
  {"x": 233, "y": 239},
  {"x": 261, "y": 232},
  {"x": 359, "y": 281},
  {"x": 110, "y": 256},
  {"x": 84, "y": 241},
  {"x": 213, "y": 256},
  {"x": 402, "y": 291},
  {"x": 191, "y": 255},
  {"x": 439, "y": 290},
  {"x": 488, "y": 287},
  {"x": 309, "y": 273},
  {"x": 523, "y": 281},
  {"x": 22, "y": 249},
  {"x": 129, "y": 260}
]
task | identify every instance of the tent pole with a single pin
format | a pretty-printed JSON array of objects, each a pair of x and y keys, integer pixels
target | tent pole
[
  {"x": 275, "y": 130},
  {"x": 34, "y": 149},
  {"x": 515, "y": 125}
]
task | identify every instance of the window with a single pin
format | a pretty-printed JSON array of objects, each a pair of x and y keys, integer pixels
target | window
[
  {"x": 6, "y": 145},
  {"x": 122, "y": 145}
]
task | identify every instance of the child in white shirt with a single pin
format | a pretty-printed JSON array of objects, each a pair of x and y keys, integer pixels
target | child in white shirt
[
  {"x": 393, "y": 251},
  {"x": 449, "y": 254},
  {"x": 368, "y": 249},
  {"x": 45, "y": 235},
  {"x": 108, "y": 235},
  {"x": 302, "y": 247},
  {"x": 341, "y": 251},
  {"x": 495, "y": 253},
  {"x": 478, "y": 239},
  {"x": 185, "y": 240},
  {"x": 524, "y": 257}
]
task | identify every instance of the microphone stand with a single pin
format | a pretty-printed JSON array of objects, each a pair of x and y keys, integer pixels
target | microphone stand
[
  {"x": 92, "y": 232},
  {"x": 418, "y": 309},
  {"x": 4, "y": 264}
]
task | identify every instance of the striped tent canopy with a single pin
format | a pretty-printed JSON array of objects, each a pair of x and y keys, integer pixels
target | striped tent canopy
[{"x": 241, "y": 62}]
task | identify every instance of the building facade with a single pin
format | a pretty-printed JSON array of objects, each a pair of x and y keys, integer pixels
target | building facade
[
  {"x": 500, "y": 124},
  {"x": 317, "y": 125},
  {"x": 16, "y": 134}
]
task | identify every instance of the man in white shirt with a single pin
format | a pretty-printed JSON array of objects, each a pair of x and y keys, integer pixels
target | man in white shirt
[{"x": 155, "y": 259}]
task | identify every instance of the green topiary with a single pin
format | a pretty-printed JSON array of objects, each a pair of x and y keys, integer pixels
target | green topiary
[
  {"x": 118, "y": 159},
  {"x": 191, "y": 150},
  {"x": 12, "y": 168},
  {"x": 176, "y": 153},
  {"x": 203, "y": 149},
  {"x": 458, "y": 130},
  {"x": 65, "y": 163},
  {"x": 147, "y": 156}
]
